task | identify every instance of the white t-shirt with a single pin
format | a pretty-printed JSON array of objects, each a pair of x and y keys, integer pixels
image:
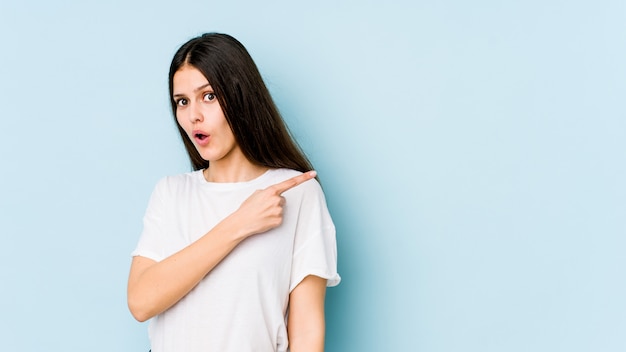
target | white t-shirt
[{"x": 242, "y": 304}]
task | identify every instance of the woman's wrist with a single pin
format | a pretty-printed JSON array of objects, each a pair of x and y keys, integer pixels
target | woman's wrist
[{"x": 232, "y": 225}]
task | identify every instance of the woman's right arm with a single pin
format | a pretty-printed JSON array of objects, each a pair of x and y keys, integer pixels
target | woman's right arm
[{"x": 154, "y": 286}]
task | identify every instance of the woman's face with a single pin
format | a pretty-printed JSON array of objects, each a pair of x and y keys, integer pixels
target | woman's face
[{"x": 199, "y": 113}]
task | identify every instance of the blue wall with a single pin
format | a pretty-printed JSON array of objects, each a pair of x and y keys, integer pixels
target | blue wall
[{"x": 472, "y": 154}]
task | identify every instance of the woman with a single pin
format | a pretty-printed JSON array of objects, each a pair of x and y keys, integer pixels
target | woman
[{"x": 236, "y": 255}]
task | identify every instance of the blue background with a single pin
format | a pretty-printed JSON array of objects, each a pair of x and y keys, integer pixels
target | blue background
[{"x": 472, "y": 154}]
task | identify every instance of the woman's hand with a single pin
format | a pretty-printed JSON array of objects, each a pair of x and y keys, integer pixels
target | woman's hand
[{"x": 263, "y": 210}]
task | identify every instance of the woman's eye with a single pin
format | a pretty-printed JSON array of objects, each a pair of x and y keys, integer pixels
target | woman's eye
[
  {"x": 209, "y": 97},
  {"x": 181, "y": 102}
]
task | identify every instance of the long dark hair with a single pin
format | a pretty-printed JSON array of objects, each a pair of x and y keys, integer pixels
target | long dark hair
[{"x": 246, "y": 102}]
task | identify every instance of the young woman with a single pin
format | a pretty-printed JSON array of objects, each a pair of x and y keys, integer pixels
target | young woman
[{"x": 236, "y": 255}]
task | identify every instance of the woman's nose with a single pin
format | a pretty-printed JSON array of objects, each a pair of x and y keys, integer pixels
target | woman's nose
[{"x": 196, "y": 113}]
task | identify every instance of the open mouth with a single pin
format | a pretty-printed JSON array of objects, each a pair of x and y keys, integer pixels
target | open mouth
[{"x": 200, "y": 136}]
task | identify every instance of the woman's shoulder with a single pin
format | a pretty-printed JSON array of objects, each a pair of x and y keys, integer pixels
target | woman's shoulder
[
  {"x": 283, "y": 174},
  {"x": 179, "y": 181}
]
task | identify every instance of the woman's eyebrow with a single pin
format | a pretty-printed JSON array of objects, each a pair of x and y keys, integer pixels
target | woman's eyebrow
[{"x": 195, "y": 90}]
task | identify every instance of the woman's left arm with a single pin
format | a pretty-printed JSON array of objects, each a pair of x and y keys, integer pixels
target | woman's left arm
[{"x": 306, "y": 324}]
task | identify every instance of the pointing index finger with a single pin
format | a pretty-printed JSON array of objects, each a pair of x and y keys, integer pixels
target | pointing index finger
[{"x": 293, "y": 182}]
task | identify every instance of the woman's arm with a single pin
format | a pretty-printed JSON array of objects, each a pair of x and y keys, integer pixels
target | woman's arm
[
  {"x": 153, "y": 286},
  {"x": 306, "y": 324}
]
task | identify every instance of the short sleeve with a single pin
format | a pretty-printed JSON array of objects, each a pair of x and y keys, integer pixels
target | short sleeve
[
  {"x": 315, "y": 246},
  {"x": 155, "y": 221}
]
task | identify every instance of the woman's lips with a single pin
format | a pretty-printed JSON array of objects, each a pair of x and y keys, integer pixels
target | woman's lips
[{"x": 201, "y": 138}]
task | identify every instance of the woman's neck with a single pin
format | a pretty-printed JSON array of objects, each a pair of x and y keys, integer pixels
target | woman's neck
[{"x": 222, "y": 171}]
